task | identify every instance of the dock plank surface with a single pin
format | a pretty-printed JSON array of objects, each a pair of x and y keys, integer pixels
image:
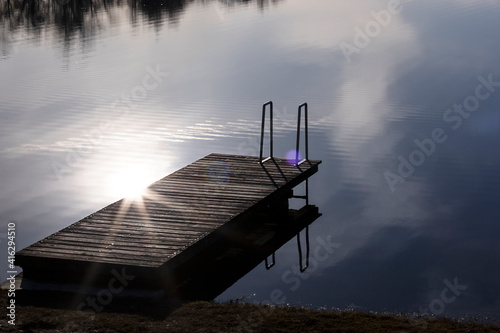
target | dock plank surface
[{"x": 176, "y": 212}]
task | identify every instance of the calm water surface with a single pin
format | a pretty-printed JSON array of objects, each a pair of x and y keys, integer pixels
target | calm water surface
[{"x": 100, "y": 96}]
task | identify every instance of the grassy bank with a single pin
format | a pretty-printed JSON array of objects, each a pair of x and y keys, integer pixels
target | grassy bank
[{"x": 46, "y": 312}]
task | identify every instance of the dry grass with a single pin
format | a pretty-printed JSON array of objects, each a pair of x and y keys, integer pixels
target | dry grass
[{"x": 138, "y": 316}]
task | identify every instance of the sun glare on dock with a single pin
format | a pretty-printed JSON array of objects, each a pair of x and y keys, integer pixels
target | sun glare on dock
[{"x": 130, "y": 184}]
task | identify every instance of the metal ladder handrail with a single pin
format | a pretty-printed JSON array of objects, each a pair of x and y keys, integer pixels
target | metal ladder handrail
[
  {"x": 306, "y": 135},
  {"x": 297, "y": 163},
  {"x": 270, "y": 103},
  {"x": 263, "y": 125}
]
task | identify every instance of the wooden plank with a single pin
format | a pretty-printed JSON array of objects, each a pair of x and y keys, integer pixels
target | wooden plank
[
  {"x": 94, "y": 248},
  {"x": 134, "y": 230},
  {"x": 63, "y": 256},
  {"x": 100, "y": 244}
]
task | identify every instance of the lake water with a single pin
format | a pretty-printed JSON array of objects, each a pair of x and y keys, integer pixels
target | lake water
[{"x": 404, "y": 103}]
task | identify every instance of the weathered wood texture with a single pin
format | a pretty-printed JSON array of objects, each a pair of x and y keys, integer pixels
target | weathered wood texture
[{"x": 177, "y": 219}]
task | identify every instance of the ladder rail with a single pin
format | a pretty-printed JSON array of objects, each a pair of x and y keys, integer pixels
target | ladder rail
[
  {"x": 297, "y": 163},
  {"x": 297, "y": 147},
  {"x": 271, "y": 156},
  {"x": 264, "y": 107},
  {"x": 306, "y": 134}
]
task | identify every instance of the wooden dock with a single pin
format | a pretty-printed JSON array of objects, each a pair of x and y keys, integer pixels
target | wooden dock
[{"x": 193, "y": 234}]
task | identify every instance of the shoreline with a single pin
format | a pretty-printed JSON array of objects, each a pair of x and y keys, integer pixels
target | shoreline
[{"x": 42, "y": 311}]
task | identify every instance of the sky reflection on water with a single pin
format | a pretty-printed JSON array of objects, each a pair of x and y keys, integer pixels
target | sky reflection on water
[{"x": 68, "y": 73}]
